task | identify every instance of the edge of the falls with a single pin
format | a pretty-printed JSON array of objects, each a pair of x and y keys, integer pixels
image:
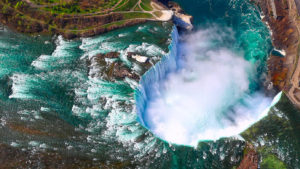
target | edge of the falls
[{"x": 154, "y": 74}]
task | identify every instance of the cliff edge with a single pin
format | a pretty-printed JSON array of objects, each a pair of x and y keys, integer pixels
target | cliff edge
[{"x": 284, "y": 65}]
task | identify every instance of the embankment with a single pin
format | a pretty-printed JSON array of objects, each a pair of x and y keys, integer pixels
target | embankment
[{"x": 284, "y": 70}]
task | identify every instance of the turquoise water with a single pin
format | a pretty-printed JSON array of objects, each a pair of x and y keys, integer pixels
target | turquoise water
[
  {"x": 217, "y": 90},
  {"x": 211, "y": 96},
  {"x": 270, "y": 134},
  {"x": 54, "y": 97},
  {"x": 60, "y": 102}
]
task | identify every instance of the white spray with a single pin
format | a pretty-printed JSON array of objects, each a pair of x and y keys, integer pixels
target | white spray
[{"x": 209, "y": 97}]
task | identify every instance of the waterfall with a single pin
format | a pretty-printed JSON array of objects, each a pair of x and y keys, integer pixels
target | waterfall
[
  {"x": 158, "y": 72},
  {"x": 199, "y": 91}
]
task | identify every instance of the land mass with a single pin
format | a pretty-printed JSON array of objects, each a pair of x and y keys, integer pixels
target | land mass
[
  {"x": 82, "y": 18},
  {"x": 284, "y": 22}
]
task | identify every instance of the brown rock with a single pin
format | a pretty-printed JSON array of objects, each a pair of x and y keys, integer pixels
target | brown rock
[
  {"x": 102, "y": 56},
  {"x": 175, "y": 7},
  {"x": 112, "y": 55},
  {"x": 277, "y": 71},
  {"x": 250, "y": 159},
  {"x": 116, "y": 70},
  {"x": 120, "y": 71},
  {"x": 285, "y": 37}
]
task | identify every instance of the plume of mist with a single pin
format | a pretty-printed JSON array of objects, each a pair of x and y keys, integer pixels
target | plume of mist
[{"x": 208, "y": 97}]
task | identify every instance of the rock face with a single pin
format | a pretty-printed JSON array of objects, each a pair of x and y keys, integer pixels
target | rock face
[
  {"x": 284, "y": 72},
  {"x": 181, "y": 19},
  {"x": 298, "y": 6},
  {"x": 250, "y": 159},
  {"x": 165, "y": 2},
  {"x": 285, "y": 37},
  {"x": 111, "y": 68}
]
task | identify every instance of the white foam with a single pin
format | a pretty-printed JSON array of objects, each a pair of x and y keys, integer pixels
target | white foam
[
  {"x": 60, "y": 57},
  {"x": 189, "y": 105},
  {"x": 148, "y": 49},
  {"x": 282, "y": 52},
  {"x": 19, "y": 87},
  {"x": 123, "y": 35},
  {"x": 14, "y": 144}
]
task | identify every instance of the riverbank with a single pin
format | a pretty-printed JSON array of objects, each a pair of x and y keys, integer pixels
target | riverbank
[
  {"x": 80, "y": 19},
  {"x": 284, "y": 69}
]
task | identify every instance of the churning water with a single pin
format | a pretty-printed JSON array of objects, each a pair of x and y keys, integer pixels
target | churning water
[
  {"x": 210, "y": 96},
  {"x": 204, "y": 85}
]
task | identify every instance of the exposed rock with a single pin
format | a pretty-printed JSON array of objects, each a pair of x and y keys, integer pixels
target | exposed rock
[
  {"x": 113, "y": 70},
  {"x": 298, "y": 6},
  {"x": 250, "y": 159},
  {"x": 100, "y": 30},
  {"x": 120, "y": 71},
  {"x": 285, "y": 37},
  {"x": 277, "y": 71},
  {"x": 165, "y": 2},
  {"x": 181, "y": 19},
  {"x": 175, "y": 7},
  {"x": 284, "y": 72},
  {"x": 130, "y": 54},
  {"x": 108, "y": 55}
]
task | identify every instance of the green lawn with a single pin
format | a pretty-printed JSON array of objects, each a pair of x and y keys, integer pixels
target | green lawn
[
  {"x": 45, "y": 1},
  {"x": 91, "y": 6},
  {"x": 146, "y": 5},
  {"x": 77, "y": 6},
  {"x": 129, "y": 5}
]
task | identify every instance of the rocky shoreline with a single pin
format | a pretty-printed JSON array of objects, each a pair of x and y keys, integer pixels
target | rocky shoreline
[
  {"x": 283, "y": 63},
  {"x": 283, "y": 71}
]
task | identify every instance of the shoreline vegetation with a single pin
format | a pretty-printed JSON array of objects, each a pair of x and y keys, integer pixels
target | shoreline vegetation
[{"x": 80, "y": 18}]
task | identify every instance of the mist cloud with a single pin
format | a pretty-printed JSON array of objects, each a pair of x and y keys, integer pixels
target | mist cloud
[{"x": 209, "y": 97}]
